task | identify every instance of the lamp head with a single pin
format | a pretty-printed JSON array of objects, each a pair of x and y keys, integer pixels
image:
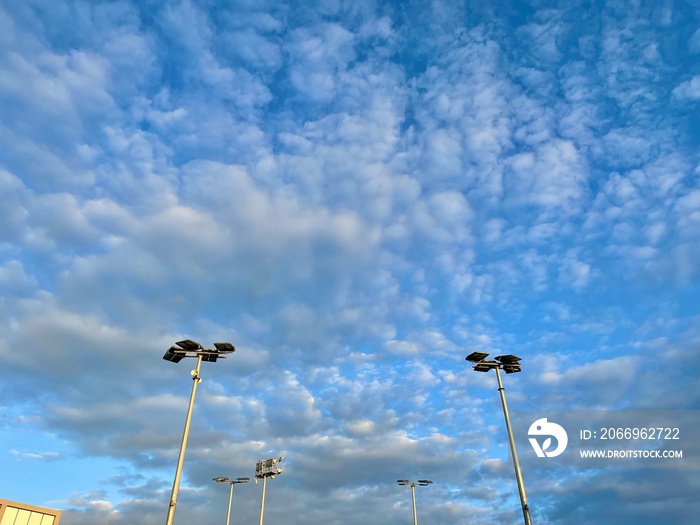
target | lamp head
[
  {"x": 485, "y": 366},
  {"x": 475, "y": 357}
]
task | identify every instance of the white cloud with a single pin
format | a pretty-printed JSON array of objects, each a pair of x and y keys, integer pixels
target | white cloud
[
  {"x": 688, "y": 90},
  {"x": 405, "y": 348},
  {"x": 44, "y": 456},
  {"x": 14, "y": 279},
  {"x": 12, "y": 195},
  {"x": 318, "y": 56},
  {"x": 575, "y": 272},
  {"x": 694, "y": 42},
  {"x": 542, "y": 35}
]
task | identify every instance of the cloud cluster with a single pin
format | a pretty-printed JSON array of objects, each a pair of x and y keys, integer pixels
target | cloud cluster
[{"x": 357, "y": 195}]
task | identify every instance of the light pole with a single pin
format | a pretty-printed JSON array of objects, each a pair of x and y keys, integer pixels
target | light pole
[
  {"x": 510, "y": 364},
  {"x": 419, "y": 483},
  {"x": 231, "y": 482},
  {"x": 175, "y": 354},
  {"x": 264, "y": 469}
]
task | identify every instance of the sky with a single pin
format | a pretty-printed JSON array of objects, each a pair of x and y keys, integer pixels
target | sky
[{"x": 356, "y": 194}]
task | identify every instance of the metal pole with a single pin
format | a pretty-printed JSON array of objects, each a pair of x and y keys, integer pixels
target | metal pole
[
  {"x": 230, "y": 499},
  {"x": 262, "y": 502},
  {"x": 413, "y": 496},
  {"x": 516, "y": 464},
  {"x": 185, "y": 435}
]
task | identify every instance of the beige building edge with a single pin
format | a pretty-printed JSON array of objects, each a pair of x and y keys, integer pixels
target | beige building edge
[{"x": 14, "y": 513}]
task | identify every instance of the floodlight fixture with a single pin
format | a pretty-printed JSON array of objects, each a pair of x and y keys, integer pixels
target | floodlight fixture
[
  {"x": 231, "y": 482},
  {"x": 228, "y": 480},
  {"x": 189, "y": 348},
  {"x": 175, "y": 354},
  {"x": 264, "y": 469},
  {"x": 510, "y": 364},
  {"x": 485, "y": 366},
  {"x": 508, "y": 359},
  {"x": 419, "y": 483},
  {"x": 475, "y": 357},
  {"x": 512, "y": 369}
]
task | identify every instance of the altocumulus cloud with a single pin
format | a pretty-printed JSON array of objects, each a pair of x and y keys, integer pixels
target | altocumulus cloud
[{"x": 357, "y": 195}]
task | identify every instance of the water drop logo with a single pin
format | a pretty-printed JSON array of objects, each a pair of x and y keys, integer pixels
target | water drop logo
[{"x": 542, "y": 428}]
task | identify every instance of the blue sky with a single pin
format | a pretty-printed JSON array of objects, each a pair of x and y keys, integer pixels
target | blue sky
[{"x": 357, "y": 195}]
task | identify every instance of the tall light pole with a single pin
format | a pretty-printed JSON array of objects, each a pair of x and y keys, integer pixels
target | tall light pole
[
  {"x": 231, "y": 482},
  {"x": 419, "y": 483},
  {"x": 175, "y": 354},
  {"x": 510, "y": 364},
  {"x": 264, "y": 469}
]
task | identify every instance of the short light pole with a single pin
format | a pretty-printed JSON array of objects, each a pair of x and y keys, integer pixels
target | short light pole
[
  {"x": 510, "y": 364},
  {"x": 264, "y": 469},
  {"x": 175, "y": 354},
  {"x": 419, "y": 483},
  {"x": 231, "y": 482}
]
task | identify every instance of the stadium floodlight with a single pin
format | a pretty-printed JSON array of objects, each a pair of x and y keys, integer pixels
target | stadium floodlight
[
  {"x": 509, "y": 364},
  {"x": 267, "y": 468},
  {"x": 508, "y": 359},
  {"x": 419, "y": 483},
  {"x": 475, "y": 357},
  {"x": 485, "y": 366},
  {"x": 175, "y": 354},
  {"x": 231, "y": 482}
]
